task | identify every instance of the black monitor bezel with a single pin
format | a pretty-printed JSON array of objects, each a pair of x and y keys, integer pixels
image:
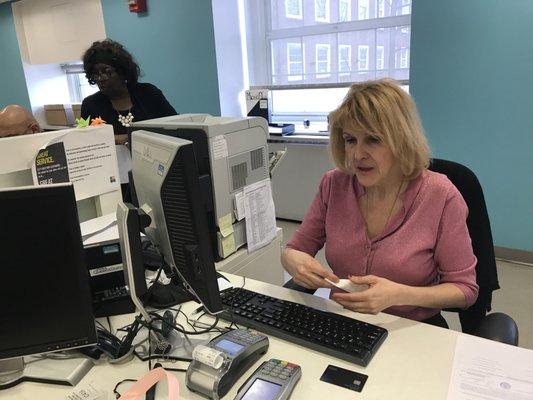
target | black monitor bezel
[
  {"x": 203, "y": 280},
  {"x": 66, "y": 190}
]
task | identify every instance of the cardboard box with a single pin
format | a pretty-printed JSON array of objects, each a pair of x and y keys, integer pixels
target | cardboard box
[
  {"x": 76, "y": 110},
  {"x": 59, "y": 114}
]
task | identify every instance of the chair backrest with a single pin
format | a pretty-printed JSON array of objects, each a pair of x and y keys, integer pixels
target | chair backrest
[{"x": 479, "y": 228}]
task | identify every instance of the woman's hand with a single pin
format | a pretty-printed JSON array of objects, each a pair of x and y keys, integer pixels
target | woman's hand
[
  {"x": 306, "y": 270},
  {"x": 381, "y": 294}
]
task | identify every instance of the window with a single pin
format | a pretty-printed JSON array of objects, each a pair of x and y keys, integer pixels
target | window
[
  {"x": 293, "y": 9},
  {"x": 295, "y": 61},
  {"x": 362, "y": 40},
  {"x": 405, "y": 7},
  {"x": 345, "y": 10},
  {"x": 362, "y": 58},
  {"x": 380, "y": 5},
  {"x": 323, "y": 60},
  {"x": 345, "y": 59},
  {"x": 78, "y": 86},
  {"x": 362, "y": 9},
  {"x": 380, "y": 58},
  {"x": 402, "y": 58},
  {"x": 322, "y": 10}
]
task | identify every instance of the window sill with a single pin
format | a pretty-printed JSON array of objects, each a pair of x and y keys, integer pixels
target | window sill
[{"x": 299, "y": 138}]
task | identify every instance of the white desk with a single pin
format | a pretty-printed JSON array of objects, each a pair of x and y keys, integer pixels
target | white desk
[
  {"x": 264, "y": 264},
  {"x": 414, "y": 362}
]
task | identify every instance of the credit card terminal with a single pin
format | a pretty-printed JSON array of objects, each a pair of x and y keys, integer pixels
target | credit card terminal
[
  {"x": 217, "y": 366},
  {"x": 272, "y": 380}
]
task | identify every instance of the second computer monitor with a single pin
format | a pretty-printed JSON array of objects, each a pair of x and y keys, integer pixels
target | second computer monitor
[
  {"x": 44, "y": 290},
  {"x": 166, "y": 182}
]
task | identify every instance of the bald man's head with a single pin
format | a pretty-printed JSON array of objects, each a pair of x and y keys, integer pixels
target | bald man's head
[{"x": 16, "y": 120}]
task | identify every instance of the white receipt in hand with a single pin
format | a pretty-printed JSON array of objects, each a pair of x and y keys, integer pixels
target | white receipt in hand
[{"x": 348, "y": 286}]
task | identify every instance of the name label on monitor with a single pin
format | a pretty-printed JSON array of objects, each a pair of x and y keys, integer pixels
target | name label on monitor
[{"x": 106, "y": 270}]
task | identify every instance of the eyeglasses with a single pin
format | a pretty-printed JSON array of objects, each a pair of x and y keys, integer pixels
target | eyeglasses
[{"x": 101, "y": 76}]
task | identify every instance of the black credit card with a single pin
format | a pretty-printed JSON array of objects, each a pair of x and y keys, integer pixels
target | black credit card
[{"x": 344, "y": 378}]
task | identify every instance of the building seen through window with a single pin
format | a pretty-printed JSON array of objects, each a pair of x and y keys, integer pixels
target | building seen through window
[{"x": 366, "y": 39}]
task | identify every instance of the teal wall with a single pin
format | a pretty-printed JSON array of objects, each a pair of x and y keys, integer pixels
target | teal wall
[
  {"x": 175, "y": 46},
  {"x": 12, "y": 82},
  {"x": 472, "y": 79}
]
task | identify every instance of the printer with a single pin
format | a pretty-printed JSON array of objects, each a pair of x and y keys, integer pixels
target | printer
[{"x": 231, "y": 153}]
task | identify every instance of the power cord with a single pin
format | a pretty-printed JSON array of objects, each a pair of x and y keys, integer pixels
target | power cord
[{"x": 115, "y": 389}]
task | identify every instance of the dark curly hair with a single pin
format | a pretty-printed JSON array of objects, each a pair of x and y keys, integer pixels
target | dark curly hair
[{"x": 114, "y": 54}]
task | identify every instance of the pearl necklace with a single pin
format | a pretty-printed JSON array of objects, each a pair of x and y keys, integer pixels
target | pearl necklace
[{"x": 125, "y": 120}]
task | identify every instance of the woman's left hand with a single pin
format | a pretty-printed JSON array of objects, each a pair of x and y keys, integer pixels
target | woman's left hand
[{"x": 381, "y": 294}]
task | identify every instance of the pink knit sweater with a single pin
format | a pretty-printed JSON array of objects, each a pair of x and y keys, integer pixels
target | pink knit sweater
[{"x": 424, "y": 244}]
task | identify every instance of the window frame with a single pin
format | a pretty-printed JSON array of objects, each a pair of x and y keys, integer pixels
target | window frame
[
  {"x": 261, "y": 38},
  {"x": 401, "y": 59},
  {"x": 326, "y": 11},
  {"x": 405, "y": 7},
  {"x": 73, "y": 71},
  {"x": 290, "y": 76},
  {"x": 380, "y": 8},
  {"x": 294, "y": 16},
  {"x": 382, "y": 50},
  {"x": 348, "y": 10},
  {"x": 265, "y": 45},
  {"x": 349, "y": 61},
  {"x": 367, "y": 57},
  {"x": 366, "y": 10},
  {"x": 327, "y": 74}
]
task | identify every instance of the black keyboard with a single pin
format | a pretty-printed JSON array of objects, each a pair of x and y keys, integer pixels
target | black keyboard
[{"x": 336, "y": 335}]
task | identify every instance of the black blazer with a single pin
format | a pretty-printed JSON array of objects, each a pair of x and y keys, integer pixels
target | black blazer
[{"x": 148, "y": 102}]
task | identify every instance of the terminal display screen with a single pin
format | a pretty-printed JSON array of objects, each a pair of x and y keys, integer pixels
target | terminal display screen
[
  {"x": 231, "y": 347},
  {"x": 262, "y": 390}
]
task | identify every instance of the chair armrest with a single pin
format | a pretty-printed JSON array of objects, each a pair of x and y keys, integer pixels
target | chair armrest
[
  {"x": 290, "y": 284},
  {"x": 499, "y": 327}
]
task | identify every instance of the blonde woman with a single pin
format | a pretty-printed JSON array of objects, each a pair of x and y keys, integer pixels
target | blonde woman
[{"x": 384, "y": 219}]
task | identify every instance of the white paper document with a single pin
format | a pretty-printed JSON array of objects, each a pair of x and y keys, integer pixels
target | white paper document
[
  {"x": 260, "y": 215},
  {"x": 488, "y": 370},
  {"x": 220, "y": 147},
  {"x": 99, "y": 224},
  {"x": 239, "y": 206},
  {"x": 98, "y": 230},
  {"x": 86, "y": 157},
  {"x": 223, "y": 284}
]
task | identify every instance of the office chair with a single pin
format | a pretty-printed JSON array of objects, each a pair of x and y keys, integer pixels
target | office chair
[{"x": 474, "y": 320}]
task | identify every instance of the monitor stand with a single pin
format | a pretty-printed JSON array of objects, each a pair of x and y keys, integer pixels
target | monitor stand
[
  {"x": 128, "y": 219},
  {"x": 67, "y": 372}
]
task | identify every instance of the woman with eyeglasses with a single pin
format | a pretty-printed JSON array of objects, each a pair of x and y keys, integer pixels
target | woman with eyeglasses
[{"x": 122, "y": 99}]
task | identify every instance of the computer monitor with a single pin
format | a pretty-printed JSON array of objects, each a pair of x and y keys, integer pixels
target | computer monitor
[
  {"x": 44, "y": 286},
  {"x": 168, "y": 191},
  {"x": 231, "y": 153}
]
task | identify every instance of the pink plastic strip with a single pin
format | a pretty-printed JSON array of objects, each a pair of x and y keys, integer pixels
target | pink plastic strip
[{"x": 150, "y": 379}]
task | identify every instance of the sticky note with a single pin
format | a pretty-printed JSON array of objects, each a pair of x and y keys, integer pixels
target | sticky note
[
  {"x": 225, "y": 225},
  {"x": 228, "y": 245}
]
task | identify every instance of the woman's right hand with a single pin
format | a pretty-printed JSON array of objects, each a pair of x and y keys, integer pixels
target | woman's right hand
[{"x": 306, "y": 271}]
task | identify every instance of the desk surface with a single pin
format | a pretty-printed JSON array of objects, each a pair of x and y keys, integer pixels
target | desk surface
[{"x": 414, "y": 362}]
